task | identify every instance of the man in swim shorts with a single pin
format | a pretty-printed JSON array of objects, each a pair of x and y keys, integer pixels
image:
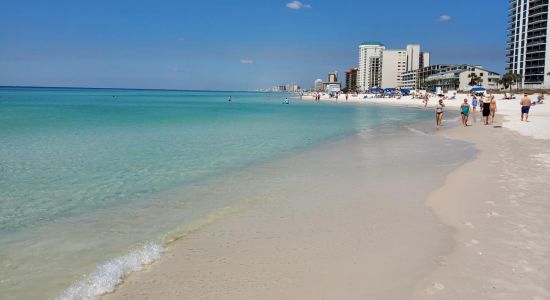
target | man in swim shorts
[{"x": 525, "y": 106}]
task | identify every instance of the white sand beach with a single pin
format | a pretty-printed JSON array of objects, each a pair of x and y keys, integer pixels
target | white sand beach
[{"x": 477, "y": 230}]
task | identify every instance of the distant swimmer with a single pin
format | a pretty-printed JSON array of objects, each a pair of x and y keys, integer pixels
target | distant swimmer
[
  {"x": 229, "y": 100},
  {"x": 286, "y": 101}
]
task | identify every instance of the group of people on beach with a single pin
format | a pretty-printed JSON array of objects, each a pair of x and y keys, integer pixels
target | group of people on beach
[{"x": 487, "y": 106}]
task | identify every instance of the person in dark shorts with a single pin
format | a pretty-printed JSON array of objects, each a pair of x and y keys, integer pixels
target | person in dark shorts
[
  {"x": 525, "y": 106},
  {"x": 486, "y": 109},
  {"x": 439, "y": 109}
]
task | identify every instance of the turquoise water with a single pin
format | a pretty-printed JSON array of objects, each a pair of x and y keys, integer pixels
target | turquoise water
[{"x": 84, "y": 173}]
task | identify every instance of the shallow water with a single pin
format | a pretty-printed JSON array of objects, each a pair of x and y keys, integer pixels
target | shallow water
[{"x": 93, "y": 177}]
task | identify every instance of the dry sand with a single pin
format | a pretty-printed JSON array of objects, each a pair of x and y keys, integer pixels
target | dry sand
[
  {"x": 495, "y": 244},
  {"x": 499, "y": 206}
]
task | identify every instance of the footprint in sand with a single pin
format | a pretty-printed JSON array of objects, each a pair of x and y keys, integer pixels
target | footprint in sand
[
  {"x": 492, "y": 214},
  {"x": 434, "y": 288}
]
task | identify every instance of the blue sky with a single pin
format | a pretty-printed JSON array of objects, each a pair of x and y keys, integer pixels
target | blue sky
[{"x": 231, "y": 45}]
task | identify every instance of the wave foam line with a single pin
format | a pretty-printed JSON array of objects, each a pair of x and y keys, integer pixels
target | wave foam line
[{"x": 110, "y": 274}]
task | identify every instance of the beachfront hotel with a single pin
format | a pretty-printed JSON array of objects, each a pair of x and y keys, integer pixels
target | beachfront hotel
[
  {"x": 370, "y": 57},
  {"x": 449, "y": 77},
  {"x": 528, "y": 51},
  {"x": 381, "y": 67}
]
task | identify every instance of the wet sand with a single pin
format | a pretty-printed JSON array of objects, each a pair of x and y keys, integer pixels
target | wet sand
[
  {"x": 443, "y": 224},
  {"x": 346, "y": 220}
]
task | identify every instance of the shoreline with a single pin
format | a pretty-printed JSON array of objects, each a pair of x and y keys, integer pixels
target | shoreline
[
  {"x": 348, "y": 238},
  {"x": 452, "y": 275}
]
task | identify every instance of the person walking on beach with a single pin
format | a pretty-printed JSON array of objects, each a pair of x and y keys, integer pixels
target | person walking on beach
[
  {"x": 525, "y": 106},
  {"x": 474, "y": 103},
  {"x": 465, "y": 112},
  {"x": 426, "y": 98},
  {"x": 439, "y": 113},
  {"x": 486, "y": 110},
  {"x": 492, "y": 108}
]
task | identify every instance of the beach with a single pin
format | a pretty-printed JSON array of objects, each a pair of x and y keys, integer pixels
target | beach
[{"x": 466, "y": 221}]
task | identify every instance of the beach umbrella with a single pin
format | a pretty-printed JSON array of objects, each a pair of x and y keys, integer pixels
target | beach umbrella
[{"x": 478, "y": 89}]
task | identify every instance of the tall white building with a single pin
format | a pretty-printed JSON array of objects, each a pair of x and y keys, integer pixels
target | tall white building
[
  {"x": 318, "y": 85},
  {"x": 413, "y": 57},
  {"x": 528, "y": 52},
  {"x": 370, "y": 57},
  {"x": 394, "y": 64},
  {"x": 424, "y": 59}
]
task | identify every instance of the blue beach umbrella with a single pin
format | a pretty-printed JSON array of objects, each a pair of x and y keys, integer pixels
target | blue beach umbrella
[{"x": 478, "y": 89}]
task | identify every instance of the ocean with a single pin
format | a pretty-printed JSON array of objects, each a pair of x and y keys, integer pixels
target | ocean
[{"x": 94, "y": 183}]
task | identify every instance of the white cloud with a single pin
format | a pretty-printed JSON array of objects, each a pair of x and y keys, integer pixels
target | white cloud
[
  {"x": 444, "y": 18},
  {"x": 247, "y": 61},
  {"x": 297, "y": 5}
]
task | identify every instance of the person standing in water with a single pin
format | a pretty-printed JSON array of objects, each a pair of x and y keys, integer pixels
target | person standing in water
[
  {"x": 426, "y": 99},
  {"x": 286, "y": 101},
  {"x": 439, "y": 113},
  {"x": 465, "y": 112},
  {"x": 229, "y": 99},
  {"x": 525, "y": 106}
]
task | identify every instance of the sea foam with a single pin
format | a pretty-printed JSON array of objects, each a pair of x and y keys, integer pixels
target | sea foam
[{"x": 110, "y": 274}]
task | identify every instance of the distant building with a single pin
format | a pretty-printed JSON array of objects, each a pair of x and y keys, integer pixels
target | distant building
[
  {"x": 370, "y": 57},
  {"x": 413, "y": 57},
  {"x": 332, "y": 85},
  {"x": 424, "y": 59},
  {"x": 394, "y": 64},
  {"x": 332, "y": 77},
  {"x": 528, "y": 52},
  {"x": 459, "y": 77},
  {"x": 294, "y": 88},
  {"x": 375, "y": 72},
  {"x": 351, "y": 79},
  {"x": 318, "y": 85},
  {"x": 449, "y": 77},
  {"x": 415, "y": 79}
]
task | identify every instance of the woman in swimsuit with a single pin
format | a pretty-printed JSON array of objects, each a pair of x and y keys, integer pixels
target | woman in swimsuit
[
  {"x": 465, "y": 112},
  {"x": 439, "y": 113}
]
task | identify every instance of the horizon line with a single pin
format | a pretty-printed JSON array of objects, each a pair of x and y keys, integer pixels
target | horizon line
[{"x": 122, "y": 88}]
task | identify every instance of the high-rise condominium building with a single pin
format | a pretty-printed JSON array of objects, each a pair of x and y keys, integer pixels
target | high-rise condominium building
[
  {"x": 379, "y": 67},
  {"x": 528, "y": 52},
  {"x": 351, "y": 79},
  {"x": 413, "y": 55},
  {"x": 394, "y": 64},
  {"x": 370, "y": 57}
]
